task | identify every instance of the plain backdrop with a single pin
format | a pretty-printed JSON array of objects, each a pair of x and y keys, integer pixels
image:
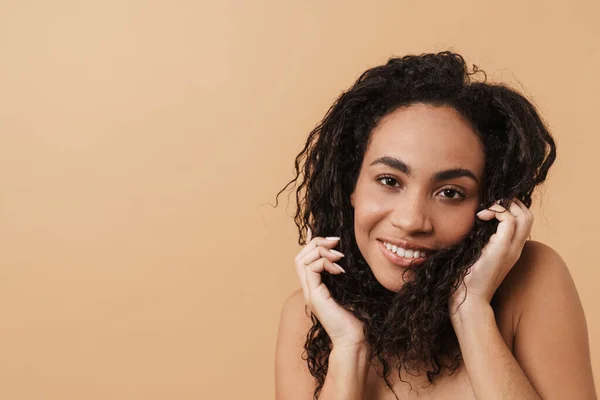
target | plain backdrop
[{"x": 142, "y": 144}]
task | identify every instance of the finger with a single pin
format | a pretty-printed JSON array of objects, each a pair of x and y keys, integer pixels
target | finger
[
  {"x": 314, "y": 255},
  {"x": 523, "y": 222},
  {"x": 506, "y": 227},
  {"x": 314, "y": 283},
  {"x": 310, "y": 258},
  {"x": 318, "y": 293},
  {"x": 526, "y": 210},
  {"x": 320, "y": 252},
  {"x": 517, "y": 208},
  {"x": 308, "y": 234},
  {"x": 329, "y": 242},
  {"x": 490, "y": 212},
  {"x": 529, "y": 213}
]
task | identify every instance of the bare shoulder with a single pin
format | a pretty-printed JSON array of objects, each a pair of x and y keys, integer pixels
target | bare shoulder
[
  {"x": 294, "y": 318},
  {"x": 539, "y": 269},
  {"x": 538, "y": 260},
  {"x": 292, "y": 378},
  {"x": 547, "y": 323}
]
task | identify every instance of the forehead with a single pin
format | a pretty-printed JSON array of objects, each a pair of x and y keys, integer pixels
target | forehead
[{"x": 427, "y": 138}]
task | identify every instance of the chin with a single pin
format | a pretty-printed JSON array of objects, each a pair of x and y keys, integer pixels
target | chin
[
  {"x": 390, "y": 278},
  {"x": 389, "y": 272},
  {"x": 393, "y": 286}
]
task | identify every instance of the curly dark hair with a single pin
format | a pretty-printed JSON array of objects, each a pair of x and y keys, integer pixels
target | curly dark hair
[{"x": 413, "y": 325}]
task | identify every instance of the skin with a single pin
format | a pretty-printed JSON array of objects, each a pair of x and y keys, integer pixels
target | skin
[
  {"x": 531, "y": 344},
  {"x": 412, "y": 206}
]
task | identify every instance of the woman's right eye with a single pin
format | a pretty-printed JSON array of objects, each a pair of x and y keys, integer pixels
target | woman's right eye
[{"x": 387, "y": 181}]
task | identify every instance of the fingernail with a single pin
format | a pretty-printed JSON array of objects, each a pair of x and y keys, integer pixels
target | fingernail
[
  {"x": 340, "y": 268},
  {"x": 332, "y": 238},
  {"x": 337, "y": 253},
  {"x": 481, "y": 212}
]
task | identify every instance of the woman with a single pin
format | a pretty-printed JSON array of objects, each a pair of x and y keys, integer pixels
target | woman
[{"x": 422, "y": 179}]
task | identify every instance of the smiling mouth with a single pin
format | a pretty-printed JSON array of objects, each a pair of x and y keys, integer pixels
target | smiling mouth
[
  {"x": 402, "y": 261},
  {"x": 406, "y": 253}
]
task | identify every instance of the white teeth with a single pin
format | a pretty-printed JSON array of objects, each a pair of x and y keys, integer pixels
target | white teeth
[{"x": 405, "y": 253}]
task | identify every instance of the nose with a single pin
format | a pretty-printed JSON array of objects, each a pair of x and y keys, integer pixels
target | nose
[{"x": 411, "y": 215}]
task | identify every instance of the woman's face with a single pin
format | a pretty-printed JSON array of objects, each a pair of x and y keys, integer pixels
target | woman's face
[{"x": 418, "y": 188}]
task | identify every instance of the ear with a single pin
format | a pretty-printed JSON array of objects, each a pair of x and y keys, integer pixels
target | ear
[{"x": 352, "y": 199}]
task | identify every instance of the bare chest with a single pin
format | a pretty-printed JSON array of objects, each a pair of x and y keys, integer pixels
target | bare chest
[{"x": 447, "y": 387}]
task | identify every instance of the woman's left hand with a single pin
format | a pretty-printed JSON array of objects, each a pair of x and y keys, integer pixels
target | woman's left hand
[{"x": 498, "y": 256}]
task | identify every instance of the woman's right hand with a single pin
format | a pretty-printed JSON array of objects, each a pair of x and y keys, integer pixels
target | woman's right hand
[{"x": 343, "y": 328}]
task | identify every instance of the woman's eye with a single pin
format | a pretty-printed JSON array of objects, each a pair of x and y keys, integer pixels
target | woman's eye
[
  {"x": 453, "y": 194},
  {"x": 387, "y": 181}
]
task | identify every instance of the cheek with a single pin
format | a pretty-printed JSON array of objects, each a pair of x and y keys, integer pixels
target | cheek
[
  {"x": 452, "y": 227},
  {"x": 368, "y": 211}
]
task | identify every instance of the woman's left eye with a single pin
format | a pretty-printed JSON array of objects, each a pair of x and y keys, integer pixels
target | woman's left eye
[{"x": 452, "y": 193}]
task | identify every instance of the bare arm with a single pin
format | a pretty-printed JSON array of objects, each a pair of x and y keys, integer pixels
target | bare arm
[
  {"x": 551, "y": 359},
  {"x": 551, "y": 339},
  {"x": 347, "y": 374},
  {"x": 493, "y": 371},
  {"x": 348, "y": 367}
]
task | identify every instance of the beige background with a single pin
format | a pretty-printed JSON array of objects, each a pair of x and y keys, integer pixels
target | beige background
[{"x": 140, "y": 142}]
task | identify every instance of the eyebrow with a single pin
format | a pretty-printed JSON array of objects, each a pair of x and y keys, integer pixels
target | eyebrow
[{"x": 439, "y": 176}]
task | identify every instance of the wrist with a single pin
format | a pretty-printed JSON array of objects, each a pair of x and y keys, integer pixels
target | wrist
[
  {"x": 471, "y": 310},
  {"x": 347, "y": 373},
  {"x": 354, "y": 351}
]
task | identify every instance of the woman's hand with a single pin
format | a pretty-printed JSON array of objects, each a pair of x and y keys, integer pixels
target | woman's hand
[
  {"x": 498, "y": 256},
  {"x": 344, "y": 329}
]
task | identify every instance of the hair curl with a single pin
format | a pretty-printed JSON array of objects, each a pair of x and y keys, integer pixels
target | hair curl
[{"x": 412, "y": 325}]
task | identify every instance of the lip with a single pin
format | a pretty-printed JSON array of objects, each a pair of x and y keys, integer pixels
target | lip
[
  {"x": 397, "y": 260},
  {"x": 406, "y": 245}
]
